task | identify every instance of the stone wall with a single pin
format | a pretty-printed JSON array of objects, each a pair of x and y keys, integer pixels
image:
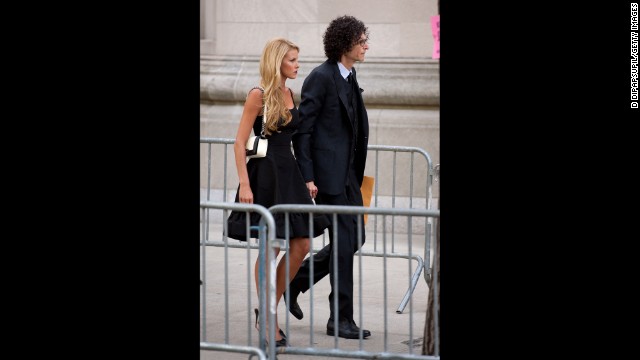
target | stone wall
[
  {"x": 398, "y": 28},
  {"x": 400, "y": 80}
]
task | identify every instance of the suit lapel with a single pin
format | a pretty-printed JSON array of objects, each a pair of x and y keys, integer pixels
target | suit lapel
[{"x": 339, "y": 81}]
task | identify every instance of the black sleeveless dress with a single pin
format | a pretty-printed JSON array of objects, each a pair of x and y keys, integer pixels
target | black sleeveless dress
[{"x": 276, "y": 179}]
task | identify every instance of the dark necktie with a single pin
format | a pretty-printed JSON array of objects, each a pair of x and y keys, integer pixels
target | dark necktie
[
  {"x": 350, "y": 82},
  {"x": 354, "y": 88}
]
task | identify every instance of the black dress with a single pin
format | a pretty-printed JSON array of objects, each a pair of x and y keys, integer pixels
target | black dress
[{"x": 276, "y": 179}]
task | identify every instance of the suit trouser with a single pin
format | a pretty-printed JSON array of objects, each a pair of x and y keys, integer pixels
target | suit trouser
[{"x": 347, "y": 245}]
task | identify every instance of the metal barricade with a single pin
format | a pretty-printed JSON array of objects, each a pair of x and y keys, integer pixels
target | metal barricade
[
  {"x": 224, "y": 179},
  {"x": 266, "y": 240},
  {"x": 411, "y": 176},
  {"x": 384, "y": 342},
  {"x": 345, "y": 348},
  {"x": 221, "y": 186}
]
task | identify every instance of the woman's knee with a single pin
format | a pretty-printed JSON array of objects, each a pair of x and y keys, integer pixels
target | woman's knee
[{"x": 300, "y": 246}]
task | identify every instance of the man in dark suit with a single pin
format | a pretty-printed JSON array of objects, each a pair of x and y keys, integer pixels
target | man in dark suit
[{"x": 331, "y": 150}]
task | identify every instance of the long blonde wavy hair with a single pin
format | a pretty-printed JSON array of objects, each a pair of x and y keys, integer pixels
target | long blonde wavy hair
[{"x": 271, "y": 78}]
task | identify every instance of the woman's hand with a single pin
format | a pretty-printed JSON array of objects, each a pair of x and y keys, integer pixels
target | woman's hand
[{"x": 245, "y": 194}]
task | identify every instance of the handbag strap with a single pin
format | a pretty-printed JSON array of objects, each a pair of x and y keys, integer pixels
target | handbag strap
[{"x": 264, "y": 112}]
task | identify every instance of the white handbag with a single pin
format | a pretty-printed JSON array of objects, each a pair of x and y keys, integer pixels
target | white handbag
[{"x": 257, "y": 145}]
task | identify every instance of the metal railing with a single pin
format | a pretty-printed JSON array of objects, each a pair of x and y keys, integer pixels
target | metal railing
[
  {"x": 315, "y": 347},
  {"x": 225, "y": 157},
  {"x": 267, "y": 236}
]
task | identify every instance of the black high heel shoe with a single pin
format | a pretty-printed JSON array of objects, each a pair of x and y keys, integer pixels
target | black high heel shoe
[
  {"x": 279, "y": 343},
  {"x": 282, "y": 342}
]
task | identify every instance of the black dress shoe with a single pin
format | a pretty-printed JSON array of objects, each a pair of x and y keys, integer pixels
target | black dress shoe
[
  {"x": 294, "y": 308},
  {"x": 347, "y": 329}
]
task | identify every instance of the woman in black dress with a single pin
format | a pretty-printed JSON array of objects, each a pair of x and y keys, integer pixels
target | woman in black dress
[{"x": 276, "y": 178}]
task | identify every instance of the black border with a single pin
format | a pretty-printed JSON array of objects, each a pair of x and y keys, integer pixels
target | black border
[
  {"x": 104, "y": 134},
  {"x": 111, "y": 98},
  {"x": 536, "y": 134},
  {"x": 158, "y": 181}
]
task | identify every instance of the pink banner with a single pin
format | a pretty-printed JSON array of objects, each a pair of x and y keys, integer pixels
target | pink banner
[{"x": 435, "y": 31}]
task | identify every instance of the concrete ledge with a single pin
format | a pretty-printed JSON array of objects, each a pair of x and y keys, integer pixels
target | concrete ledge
[{"x": 387, "y": 82}]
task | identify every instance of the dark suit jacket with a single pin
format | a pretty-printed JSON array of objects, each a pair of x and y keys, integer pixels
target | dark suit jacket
[{"x": 324, "y": 142}]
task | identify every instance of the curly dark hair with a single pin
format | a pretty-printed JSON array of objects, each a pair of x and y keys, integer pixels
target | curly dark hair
[{"x": 341, "y": 34}]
